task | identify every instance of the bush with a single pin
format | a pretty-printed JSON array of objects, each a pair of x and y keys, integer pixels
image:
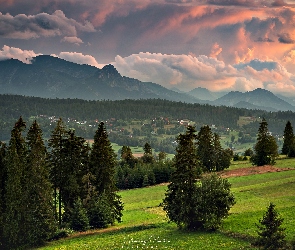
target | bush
[
  {"x": 61, "y": 233},
  {"x": 215, "y": 201}
]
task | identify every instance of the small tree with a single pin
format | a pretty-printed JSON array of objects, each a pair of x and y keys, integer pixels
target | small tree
[
  {"x": 271, "y": 235},
  {"x": 148, "y": 154},
  {"x": 288, "y": 138},
  {"x": 266, "y": 148}
]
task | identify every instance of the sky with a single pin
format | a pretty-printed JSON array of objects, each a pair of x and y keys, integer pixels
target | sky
[{"x": 221, "y": 45}]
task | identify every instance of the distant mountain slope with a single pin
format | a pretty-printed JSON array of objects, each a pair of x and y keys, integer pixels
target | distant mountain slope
[
  {"x": 205, "y": 94},
  {"x": 256, "y": 99},
  {"x": 51, "y": 77}
]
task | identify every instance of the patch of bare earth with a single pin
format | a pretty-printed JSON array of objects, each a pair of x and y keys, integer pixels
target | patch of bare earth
[{"x": 252, "y": 170}]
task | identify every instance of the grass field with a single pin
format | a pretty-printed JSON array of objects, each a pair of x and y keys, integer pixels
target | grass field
[{"x": 145, "y": 226}]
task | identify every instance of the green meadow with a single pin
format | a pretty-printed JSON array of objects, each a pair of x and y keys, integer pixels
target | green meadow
[{"x": 145, "y": 226}]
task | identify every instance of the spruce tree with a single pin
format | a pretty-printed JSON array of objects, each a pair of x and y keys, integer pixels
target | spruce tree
[
  {"x": 178, "y": 203},
  {"x": 102, "y": 168},
  {"x": 14, "y": 224},
  {"x": 39, "y": 214},
  {"x": 271, "y": 235},
  {"x": 147, "y": 154},
  {"x": 205, "y": 149},
  {"x": 3, "y": 177},
  {"x": 212, "y": 156},
  {"x": 57, "y": 161},
  {"x": 266, "y": 149},
  {"x": 76, "y": 153},
  {"x": 288, "y": 138}
]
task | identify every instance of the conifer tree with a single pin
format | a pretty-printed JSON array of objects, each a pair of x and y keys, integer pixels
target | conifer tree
[
  {"x": 288, "y": 138},
  {"x": 148, "y": 153},
  {"x": 3, "y": 177},
  {"x": 76, "y": 153},
  {"x": 14, "y": 225},
  {"x": 102, "y": 167},
  {"x": 39, "y": 214},
  {"x": 57, "y": 161},
  {"x": 212, "y": 156},
  {"x": 178, "y": 203},
  {"x": 271, "y": 235},
  {"x": 205, "y": 149},
  {"x": 127, "y": 157},
  {"x": 266, "y": 149}
]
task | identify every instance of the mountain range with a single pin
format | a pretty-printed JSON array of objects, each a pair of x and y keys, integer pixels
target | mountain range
[{"x": 52, "y": 77}]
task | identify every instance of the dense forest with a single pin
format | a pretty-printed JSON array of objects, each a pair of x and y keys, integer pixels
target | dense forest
[{"x": 73, "y": 111}]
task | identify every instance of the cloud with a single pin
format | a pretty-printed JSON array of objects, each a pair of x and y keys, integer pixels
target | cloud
[
  {"x": 258, "y": 65},
  {"x": 72, "y": 39},
  {"x": 16, "y": 53},
  {"x": 79, "y": 58},
  {"x": 216, "y": 50},
  {"x": 286, "y": 38},
  {"x": 24, "y": 26},
  {"x": 188, "y": 72}
]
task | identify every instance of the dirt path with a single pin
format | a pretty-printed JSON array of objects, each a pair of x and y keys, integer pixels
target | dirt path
[{"x": 252, "y": 170}]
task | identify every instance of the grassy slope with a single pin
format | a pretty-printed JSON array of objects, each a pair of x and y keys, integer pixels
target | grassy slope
[{"x": 144, "y": 224}]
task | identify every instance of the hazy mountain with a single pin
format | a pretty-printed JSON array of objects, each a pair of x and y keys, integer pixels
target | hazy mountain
[
  {"x": 256, "y": 99},
  {"x": 290, "y": 100},
  {"x": 205, "y": 94},
  {"x": 51, "y": 77}
]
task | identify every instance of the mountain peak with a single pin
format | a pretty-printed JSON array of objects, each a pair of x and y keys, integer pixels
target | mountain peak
[{"x": 111, "y": 70}]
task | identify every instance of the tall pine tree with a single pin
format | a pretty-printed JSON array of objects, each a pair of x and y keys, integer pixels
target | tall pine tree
[
  {"x": 39, "y": 215},
  {"x": 14, "y": 221},
  {"x": 3, "y": 177},
  {"x": 76, "y": 153},
  {"x": 57, "y": 162},
  {"x": 102, "y": 168},
  {"x": 178, "y": 202}
]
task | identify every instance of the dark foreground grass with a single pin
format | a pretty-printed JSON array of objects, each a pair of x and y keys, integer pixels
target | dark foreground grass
[{"x": 144, "y": 224}]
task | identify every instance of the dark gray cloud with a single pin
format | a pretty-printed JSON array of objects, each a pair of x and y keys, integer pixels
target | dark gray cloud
[
  {"x": 24, "y": 26},
  {"x": 258, "y": 65},
  {"x": 285, "y": 38}
]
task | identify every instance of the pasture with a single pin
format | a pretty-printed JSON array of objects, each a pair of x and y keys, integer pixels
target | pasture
[{"x": 145, "y": 226}]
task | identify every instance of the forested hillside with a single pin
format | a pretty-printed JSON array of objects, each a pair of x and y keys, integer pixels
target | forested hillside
[{"x": 133, "y": 122}]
